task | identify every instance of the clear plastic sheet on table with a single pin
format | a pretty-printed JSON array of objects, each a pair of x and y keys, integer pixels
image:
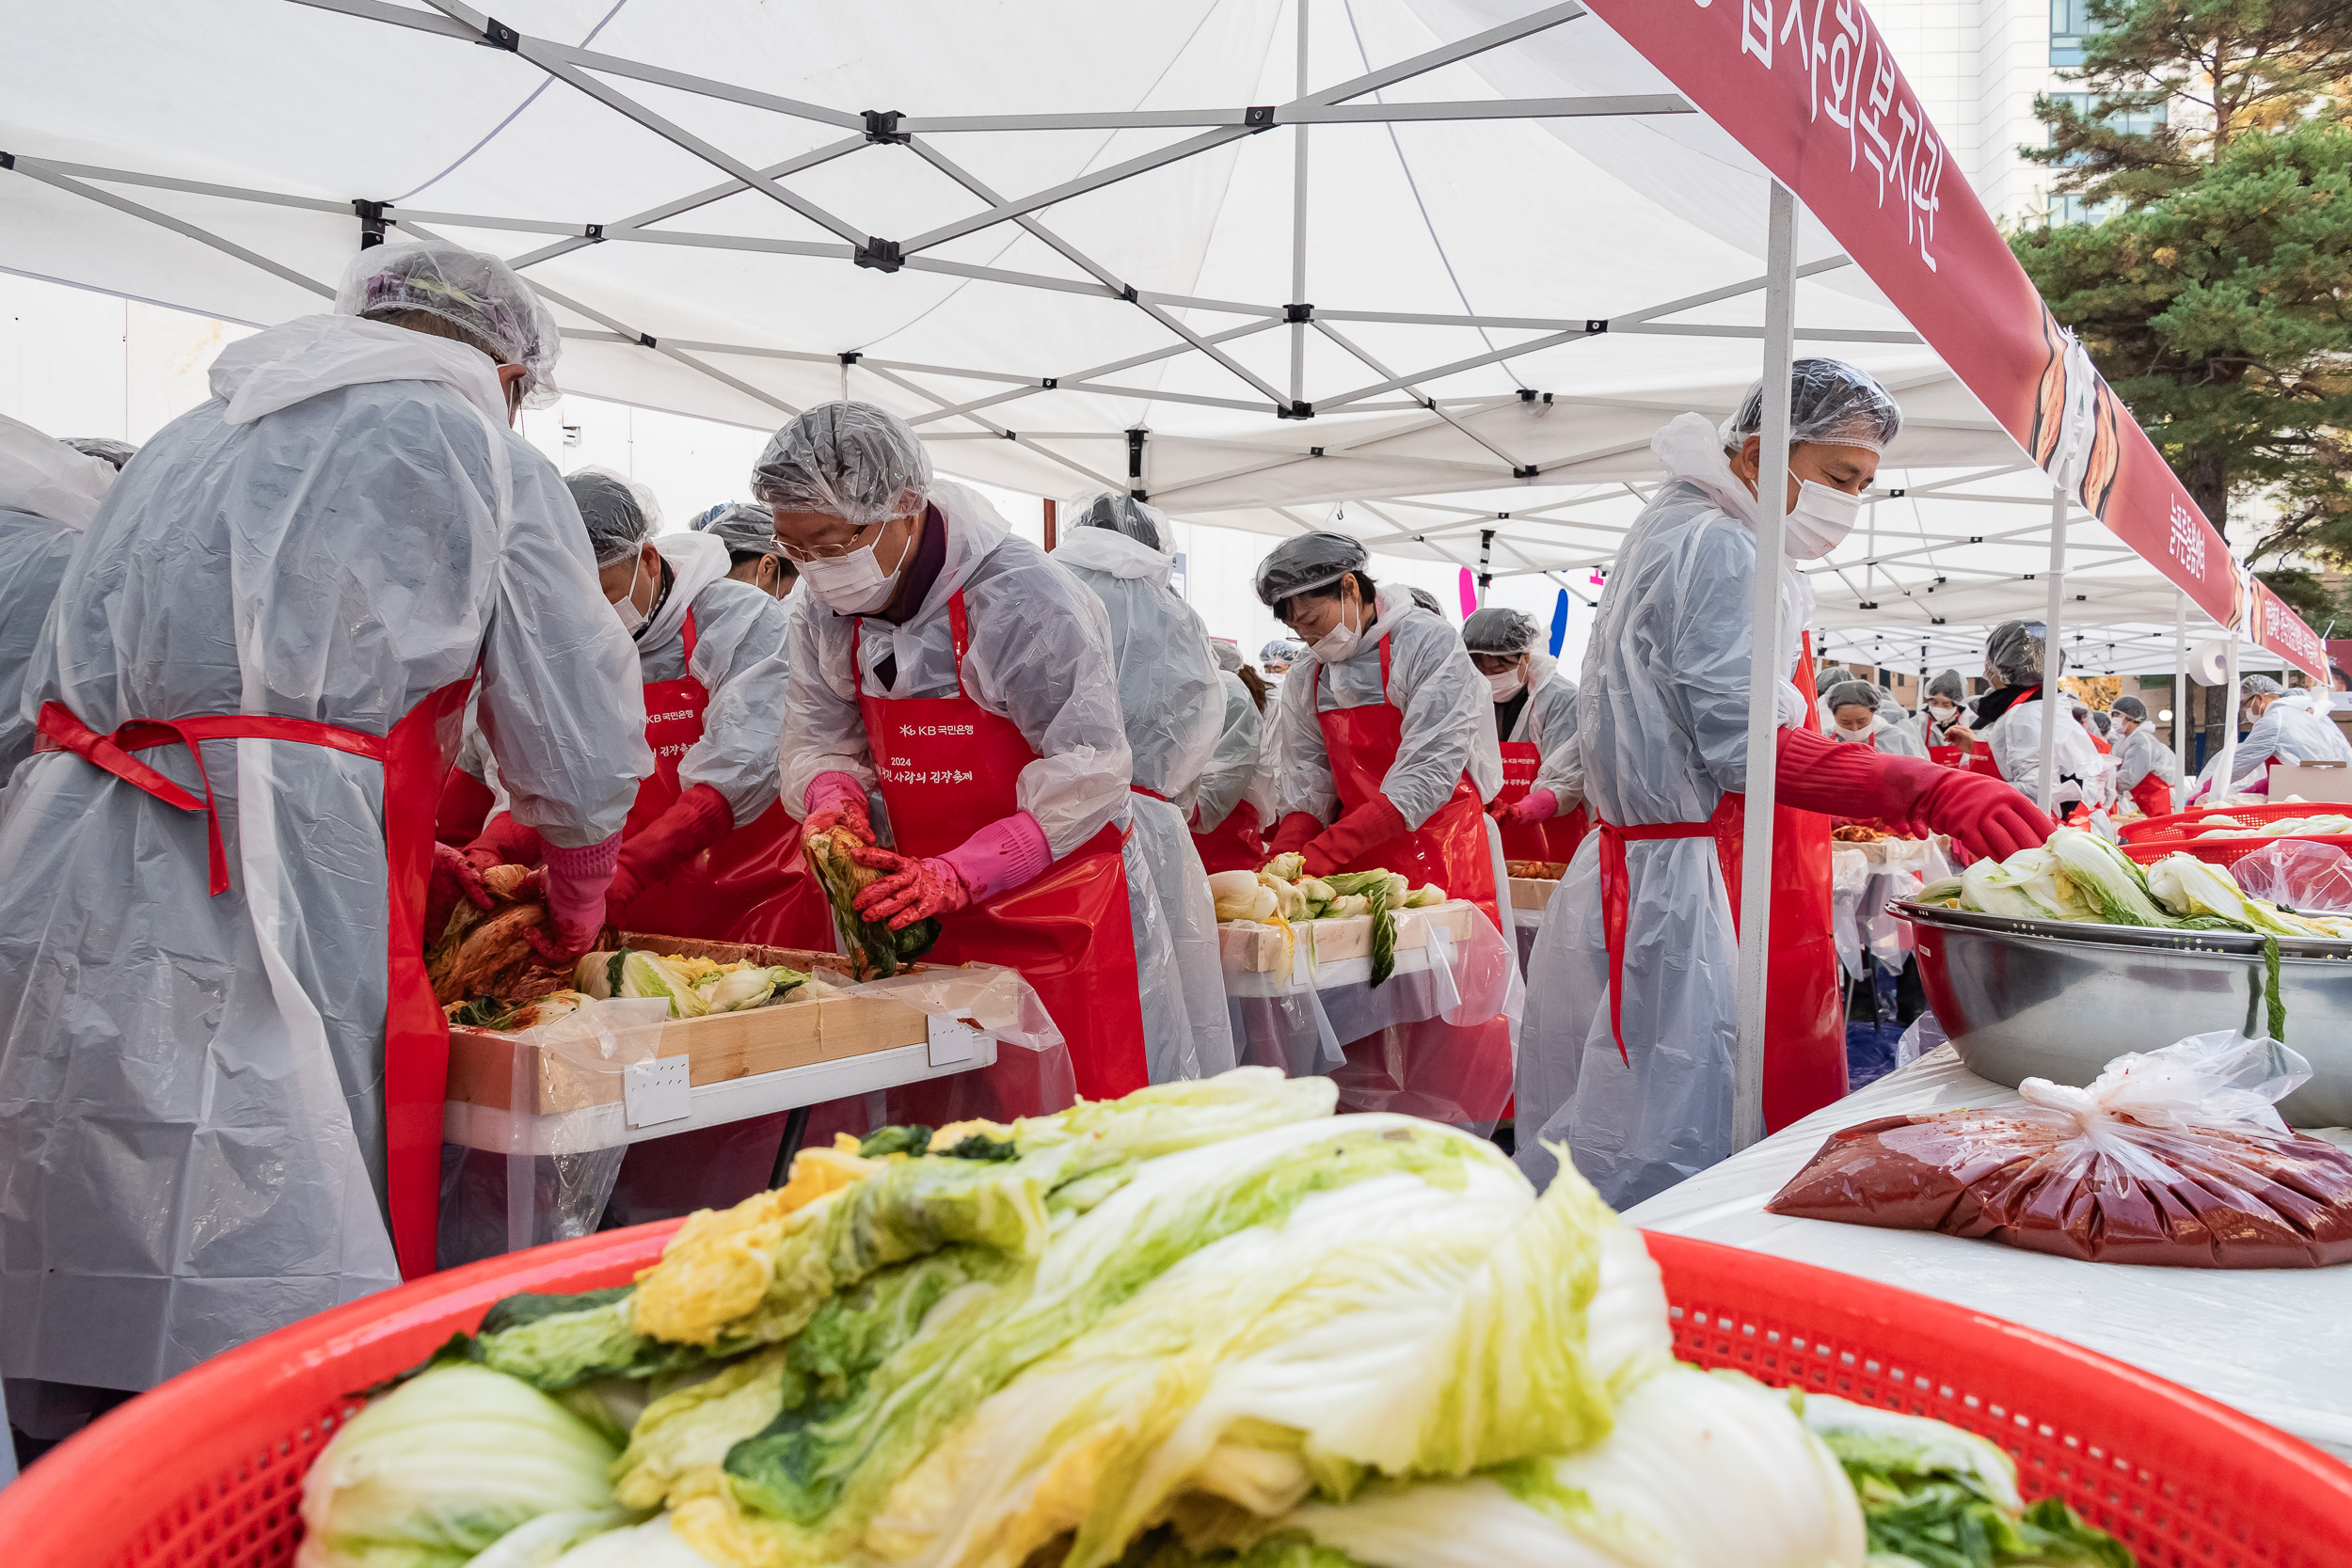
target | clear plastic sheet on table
[
  {"x": 1433, "y": 1040},
  {"x": 2315, "y": 878},
  {"x": 510, "y": 1180},
  {"x": 2256, "y": 1339}
]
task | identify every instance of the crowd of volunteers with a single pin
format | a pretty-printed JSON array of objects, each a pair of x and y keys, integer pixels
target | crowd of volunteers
[{"x": 278, "y": 690}]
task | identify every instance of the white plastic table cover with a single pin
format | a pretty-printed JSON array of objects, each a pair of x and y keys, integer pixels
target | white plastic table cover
[{"x": 2272, "y": 1343}]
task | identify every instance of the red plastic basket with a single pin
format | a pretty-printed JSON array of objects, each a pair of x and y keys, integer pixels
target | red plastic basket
[
  {"x": 2181, "y": 824},
  {"x": 206, "y": 1472}
]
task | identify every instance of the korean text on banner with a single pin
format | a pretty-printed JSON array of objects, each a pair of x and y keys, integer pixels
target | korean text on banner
[{"x": 2270, "y": 623}]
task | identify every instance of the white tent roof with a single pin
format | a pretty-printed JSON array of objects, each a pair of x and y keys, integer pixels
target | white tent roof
[{"x": 1523, "y": 249}]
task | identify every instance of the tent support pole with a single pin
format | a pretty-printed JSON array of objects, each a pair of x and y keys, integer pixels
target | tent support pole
[
  {"x": 1764, "y": 672},
  {"x": 2051, "y": 651},
  {"x": 2225, "y": 777},
  {"x": 1299, "y": 229},
  {"x": 2180, "y": 700}
]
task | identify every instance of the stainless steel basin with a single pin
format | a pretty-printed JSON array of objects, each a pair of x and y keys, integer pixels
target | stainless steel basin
[{"x": 2058, "y": 999}]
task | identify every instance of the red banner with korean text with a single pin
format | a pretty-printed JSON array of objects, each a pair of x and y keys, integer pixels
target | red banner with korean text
[
  {"x": 1811, "y": 90},
  {"x": 2269, "y": 624}
]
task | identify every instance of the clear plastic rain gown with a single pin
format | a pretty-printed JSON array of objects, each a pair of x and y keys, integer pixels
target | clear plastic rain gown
[
  {"x": 1040, "y": 656},
  {"x": 1173, "y": 703},
  {"x": 740, "y": 659},
  {"x": 2288, "y": 731},
  {"x": 2140, "y": 753},
  {"x": 1233, "y": 767},
  {"x": 1663, "y": 735},
  {"x": 2016, "y": 738},
  {"x": 48, "y": 494},
  {"x": 191, "y": 1120},
  {"x": 1548, "y": 722}
]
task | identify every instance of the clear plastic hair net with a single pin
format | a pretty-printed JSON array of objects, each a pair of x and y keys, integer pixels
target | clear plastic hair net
[
  {"x": 114, "y": 451},
  {"x": 745, "y": 527},
  {"x": 1309, "y": 561},
  {"x": 1427, "y": 600},
  {"x": 1853, "y": 693},
  {"x": 1503, "y": 633},
  {"x": 467, "y": 289},
  {"x": 1123, "y": 513},
  {"x": 2131, "y": 708},
  {"x": 620, "y": 515},
  {"x": 1830, "y": 403},
  {"x": 1281, "y": 651},
  {"x": 2259, "y": 686},
  {"x": 1829, "y": 675},
  {"x": 2014, "y": 653},
  {"x": 1227, "y": 654},
  {"x": 1948, "y": 684},
  {"x": 847, "y": 460},
  {"x": 2104, "y": 720}
]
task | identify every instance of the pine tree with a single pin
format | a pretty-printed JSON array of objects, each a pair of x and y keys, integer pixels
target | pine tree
[{"x": 2216, "y": 295}]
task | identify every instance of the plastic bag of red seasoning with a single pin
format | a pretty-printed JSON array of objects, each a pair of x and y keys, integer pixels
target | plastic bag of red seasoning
[{"x": 2171, "y": 1157}]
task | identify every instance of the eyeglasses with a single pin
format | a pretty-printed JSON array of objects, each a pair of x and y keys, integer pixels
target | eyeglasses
[{"x": 825, "y": 552}]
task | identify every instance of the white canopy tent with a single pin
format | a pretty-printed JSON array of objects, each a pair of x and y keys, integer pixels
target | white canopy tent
[{"x": 1445, "y": 263}]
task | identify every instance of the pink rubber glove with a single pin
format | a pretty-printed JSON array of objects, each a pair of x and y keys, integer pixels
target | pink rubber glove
[
  {"x": 1375, "y": 822},
  {"x": 454, "y": 877},
  {"x": 574, "y": 881},
  {"x": 915, "y": 889},
  {"x": 835, "y": 800},
  {"x": 1537, "y": 805},
  {"x": 1008, "y": 854}
]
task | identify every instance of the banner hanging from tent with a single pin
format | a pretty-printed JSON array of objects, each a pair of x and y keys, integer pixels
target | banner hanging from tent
[
  {"x": 1810, "y": 89},
  {"x": 2270, "y": 623}
]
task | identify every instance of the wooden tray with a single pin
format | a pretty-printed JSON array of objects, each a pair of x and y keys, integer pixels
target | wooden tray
[
  {"x": 483, "y": 1069},
  {"x": 1245, "y": 945}
]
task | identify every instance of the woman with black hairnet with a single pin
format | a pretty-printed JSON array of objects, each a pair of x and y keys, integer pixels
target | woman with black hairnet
[
  {"x": 2009, "y": 725},
  {"x": 1540, "y": 807},
  {"x": 1173, "y": 706},
  {"x": 748, "y": 531},
  {"x": 223, "y": 1069},
  {"x": 1942, "y": 725},
  {"x": 1856, "y": 717},
  {"x": 1233, "y": 800},
  {"x": 1626, "y": 1052},
  {"x": 2145, "y": 769},
  {"x": 1379, "y": 761},
  {"x": 970, "y": 680},
  {"x": 48, "y": 491},
  {"x": 2283, "y": 727}
]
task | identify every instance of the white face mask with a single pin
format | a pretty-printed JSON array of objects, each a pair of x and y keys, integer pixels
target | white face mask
[
  {"x": 1819, "y": 521},
  {"x": 1339, "y": 642},
  {"x": 1506, "y": 686},
  {"x": 1862, "y": 734},
  {"x": 624, "y": 608},
  {"x": 1943, "y": 714},
  {"x": 855, "y": 583}
]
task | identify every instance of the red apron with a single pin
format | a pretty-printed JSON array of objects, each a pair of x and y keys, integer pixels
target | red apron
[
  {"x": 416, "y": 1035},
  {"x": 947, "y": 768},
  {"x": 2153, "y": 796},
  {"x": 466, "y": 803},
  {"x": 1804, "y": 1030},
  {"x": 753, "y": 885},
  {"x": 1431, "y": 1069},
  {"x": 1553, "y": 839},
  {"x": 1235, "y": 844}
]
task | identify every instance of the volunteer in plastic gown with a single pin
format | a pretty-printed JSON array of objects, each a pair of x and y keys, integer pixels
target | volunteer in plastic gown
[
  {"x": 1378, "y": 762},
  {"x": 1230, "y": 804},
  {"x": 1663, "y": 730},
  {"x": 1540, "y": 807},
  {"x": 2009, "y": 720},
  {"x": 2282, "y": 728},
  {"x": 2145, "y": 769},
  {"x": 222, "y": 1064},
  {"x": 1856, "y": 718},
  {"x": 753, "y": 555},
  {"x": 1174, "y": 708},
  {"x": 978, "y": 675},
  {"x": 48, "y": 491},
  {"x": 1943, "y": 710}
]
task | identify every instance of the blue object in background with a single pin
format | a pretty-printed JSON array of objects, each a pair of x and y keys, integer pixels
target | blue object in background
[{"x": 1559, "y": 622}]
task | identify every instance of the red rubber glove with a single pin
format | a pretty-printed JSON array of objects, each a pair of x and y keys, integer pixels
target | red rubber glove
[
  {"x": 835, "y": 800},
  {"x": 1375, "y": 821},
  {"x": 506, "y": 842},
  {"x": 696, "y": 820},
  {"x": 1293, "y": 834},
  {"x": 1988, "y": 817},
  {"x": 573, "y": 881},
  {"x": 1537, "y": 805},
  {"x": 454, "y": 877},
  {"x": 913, "y": 890}
]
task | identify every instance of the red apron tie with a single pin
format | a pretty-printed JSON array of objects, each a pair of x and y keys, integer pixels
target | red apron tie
[
  {"x": 61, "y": 731},
  {"x": 1613, "y": 890}
]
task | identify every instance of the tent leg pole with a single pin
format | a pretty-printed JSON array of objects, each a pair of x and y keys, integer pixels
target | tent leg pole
[
  {"x": 2051, "y": 649},
  {"x": 2180, "y": 700},
  {"x": 1298, "y": 224},
  {"x": 1764, "y": 672},
  {"x": 2224, "y": 778}
]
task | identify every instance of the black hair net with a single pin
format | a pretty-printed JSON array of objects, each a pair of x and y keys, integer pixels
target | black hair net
[
  {"x": 745, "y": 527},
  {"x": 1853, "y": 693},
  {"x": 2014, "y": 653},
  {"x": 1122, "y": 514},
  {"x": 1503, "y": 633},
  {"x": 2131, "y": 708},
  {"x": 620, "y": 515},
  {"x": 1309, "y": 561},
  {"x": 1949, "y": 684}
]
